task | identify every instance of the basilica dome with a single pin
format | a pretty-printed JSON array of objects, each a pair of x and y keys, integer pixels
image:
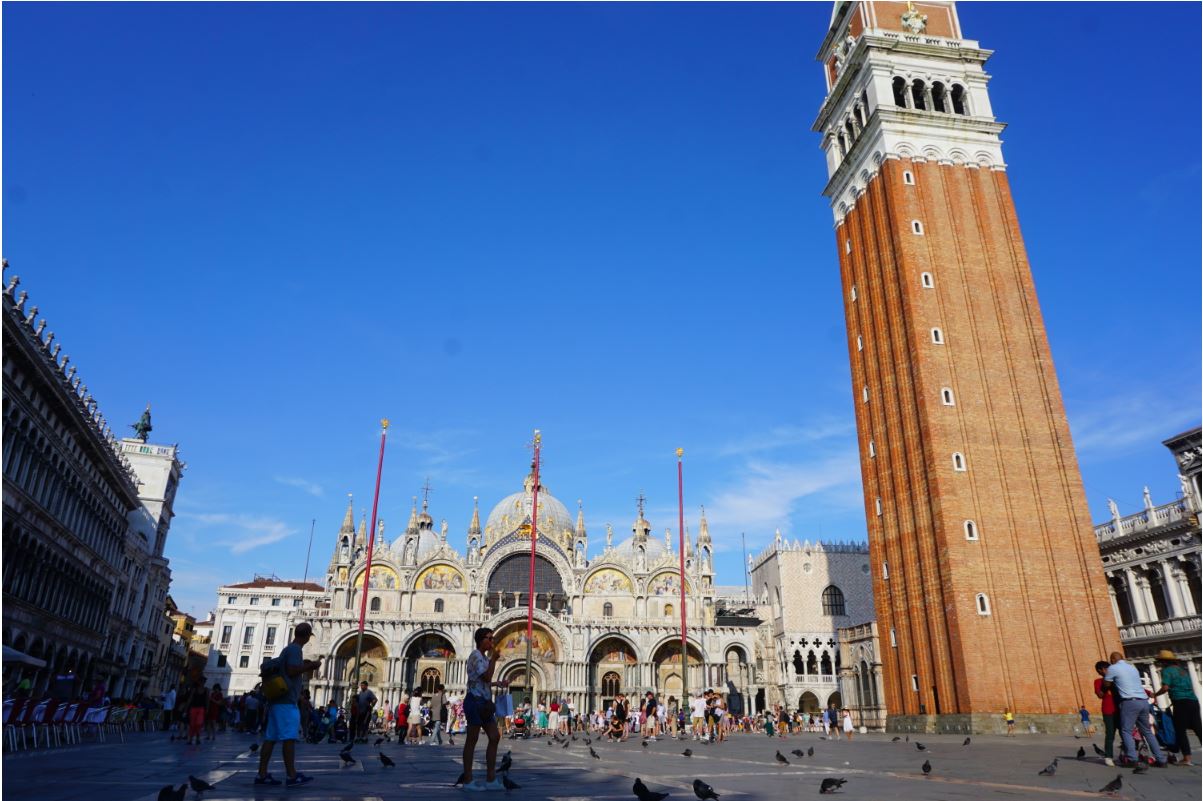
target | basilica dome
[{"x": 514, "y": 510}]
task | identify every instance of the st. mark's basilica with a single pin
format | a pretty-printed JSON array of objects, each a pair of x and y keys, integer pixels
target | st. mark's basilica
[{"x": 602, "y": 625}]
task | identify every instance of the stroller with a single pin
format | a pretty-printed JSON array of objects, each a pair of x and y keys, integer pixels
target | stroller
[{"x": 519, "y": 728}]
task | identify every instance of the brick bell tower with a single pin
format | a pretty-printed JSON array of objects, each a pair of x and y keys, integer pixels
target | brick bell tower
[{"x": 988, "y": 585}]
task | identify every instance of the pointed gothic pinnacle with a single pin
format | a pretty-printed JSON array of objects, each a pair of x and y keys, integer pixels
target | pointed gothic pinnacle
[
  {"x": 62, "y": 366},
  {"x": 54, "y": 352},
  {"x": 8, "y": 290},
  {"x": 348, "y": 526},
  {"x": 71, "y": 372},
  {"x": 33, "y": 312},
  {"x": 40, "y": 328},
  {"x": 474, "y": 526},
  {"x": 21, "y": 300}
]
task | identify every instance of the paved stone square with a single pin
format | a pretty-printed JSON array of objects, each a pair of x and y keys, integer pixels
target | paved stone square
[{"x": 742, "y": 769}]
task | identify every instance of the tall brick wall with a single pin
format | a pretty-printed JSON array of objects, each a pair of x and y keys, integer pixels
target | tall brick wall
[{"x": 1035, "y": 559}]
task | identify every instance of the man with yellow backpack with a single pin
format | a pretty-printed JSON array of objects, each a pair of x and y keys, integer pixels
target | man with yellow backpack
[{"x": 281, "y": 689}]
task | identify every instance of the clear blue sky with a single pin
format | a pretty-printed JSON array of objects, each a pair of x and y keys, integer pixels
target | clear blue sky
[{"x": 279, "y": 223}]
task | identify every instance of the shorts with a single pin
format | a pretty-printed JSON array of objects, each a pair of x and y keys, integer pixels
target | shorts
[
  {"x": 478, "y": 711},
  {"x": 283, "y": 723}
]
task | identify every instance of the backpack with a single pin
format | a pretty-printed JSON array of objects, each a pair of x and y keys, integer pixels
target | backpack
[{"x": 271, "y": 675}]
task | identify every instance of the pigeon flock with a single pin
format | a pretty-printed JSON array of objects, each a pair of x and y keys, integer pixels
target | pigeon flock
[{"x": 828, "y": 785}]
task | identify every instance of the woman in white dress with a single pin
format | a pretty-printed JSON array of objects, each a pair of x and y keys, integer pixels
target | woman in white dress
[{"x": 848, "y": 724}]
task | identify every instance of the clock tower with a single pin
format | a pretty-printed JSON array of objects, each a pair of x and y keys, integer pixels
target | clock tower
[{"x": 987, "y": 580}]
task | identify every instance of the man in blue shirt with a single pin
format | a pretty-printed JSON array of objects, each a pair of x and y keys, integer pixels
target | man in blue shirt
[
  {"x": 1133, "y": 709},
  {"x": 283, "y": 716}
]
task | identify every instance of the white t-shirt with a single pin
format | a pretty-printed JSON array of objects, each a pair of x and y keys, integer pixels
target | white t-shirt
[
  {"x": 415, "y": 708},
  {"x": 698, "y": 707}
]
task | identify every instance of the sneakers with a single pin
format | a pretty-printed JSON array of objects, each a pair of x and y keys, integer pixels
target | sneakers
[
  {"x": 268, "y": 779},
  {"x": 476, "y": 786},
  {"x": 494, "y": 785},
  {"x": 1109, "y": 762},
  {"x": 300, "y": 779}
]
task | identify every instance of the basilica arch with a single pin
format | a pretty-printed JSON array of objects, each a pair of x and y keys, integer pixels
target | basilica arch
[
  {"x": 509, "y": 584},
  {"x": 374, "y": 658},
  {"x": 613, "y": 669},
  {"x": 546, "y": 654},
  {"x": 426, "y": 662},
  {"x": 666, "y": 658}
]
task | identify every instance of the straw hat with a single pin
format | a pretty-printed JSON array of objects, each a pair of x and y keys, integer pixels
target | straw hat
[{"x": 1165, "y": 654}]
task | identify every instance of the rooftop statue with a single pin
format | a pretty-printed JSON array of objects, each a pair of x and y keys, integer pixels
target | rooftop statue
[{"x": 143, "y": 427}]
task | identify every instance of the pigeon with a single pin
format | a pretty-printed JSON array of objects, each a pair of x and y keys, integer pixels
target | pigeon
[
  {"x": 574, "y": 738},
  {"x": 506, "y": 763},
  {"x": 966, "y": 742},
  {"x": 463, "y": 779},
  {"x": 593, "y": 753},
  {"x": 703, "y": 791},
  {"x": 386, "y": 762},
  {"x": 643, "y": 794},
  {"x": 1098, "y": 750},
  {"x": 509, "y": 784},
  {"x": 908, "y": 738},
  {"x": 1051, "y": 770},
  {"x": 927, "y": 767},
  {"x": 896, "y": 740},
  {"x": 688, "y": 752},
  {"x": 379, "y": 740},
  {"x": 169, "y": 793},
  {"x": 199, "y": 785},
  {"x": 781, "y": 760},
  {"x": 644, "y": 743},
  {"x": 254, "y": 747},
  {"x": 1113, "y": 787},
  {"x": 798, "y": 752},
  {"x": 1081, "y": 753},
  {"x": 346, "y": 758},
  {"x": 831, "y": 785},
  {"x": 588, "y": 741},
  {"x": 566, "y": 743},
  {"x": 810, "y": 751},
  {"x": 920, "y": 746}
]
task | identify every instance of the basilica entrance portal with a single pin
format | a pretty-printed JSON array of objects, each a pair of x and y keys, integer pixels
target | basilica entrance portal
[
  {"x": 426, "y": 663},
  {"x": 373, "y": 660}
]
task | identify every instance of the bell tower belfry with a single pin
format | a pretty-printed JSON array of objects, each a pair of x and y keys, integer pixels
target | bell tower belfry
[{"x": 987, "y": 580}]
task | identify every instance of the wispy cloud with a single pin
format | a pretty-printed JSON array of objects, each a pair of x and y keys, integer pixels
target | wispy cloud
[
  {"x": 787, "y": 436},
  {"x": 1112, "y": 426},
  {"x": 766, "y": 493},
  {"x": 305, "y": 486},
  {"x": 440, "y": 453},
  {"x": 249, "y": 531}
]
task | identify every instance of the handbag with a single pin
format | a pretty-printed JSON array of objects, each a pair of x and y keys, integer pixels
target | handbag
[{"x": 504, "y": 705}]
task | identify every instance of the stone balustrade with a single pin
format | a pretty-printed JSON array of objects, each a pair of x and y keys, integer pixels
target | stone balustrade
[{"x": 1158, "y": 629}]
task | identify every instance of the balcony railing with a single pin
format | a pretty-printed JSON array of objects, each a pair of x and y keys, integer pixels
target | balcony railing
[
  {"x": 1146, "y": 520},
  {"x": 1159, "y": 629}
]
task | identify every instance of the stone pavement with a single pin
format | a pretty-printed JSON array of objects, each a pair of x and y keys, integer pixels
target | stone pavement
[{"x": 742, "y": 769}]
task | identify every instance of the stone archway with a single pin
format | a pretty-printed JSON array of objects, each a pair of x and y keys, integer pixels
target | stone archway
[
  {"x": 611, "y": 661},
  {"x": 809, "y": 703},
  {"x": 545, "y": 652},
  {"x": 374, "y": 665},
  {"x": 667, "y": 661},
  {"x": 427, "y": 661}
]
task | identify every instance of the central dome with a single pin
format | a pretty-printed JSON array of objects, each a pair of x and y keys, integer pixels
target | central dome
[{"x": 514, "y": 510}]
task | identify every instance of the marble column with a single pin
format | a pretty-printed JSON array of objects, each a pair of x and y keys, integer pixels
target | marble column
[
  {"x": 1182, "y": 583},
  {"x": 1169, "y": 585},
  {"x": 1119, "y": 620},
  {"x": 1136, "y": 598}
]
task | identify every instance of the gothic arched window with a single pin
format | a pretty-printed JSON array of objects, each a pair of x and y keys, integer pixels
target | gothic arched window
[
  {"x": 799, "y": 665},
  {"x": 833, "y": 601},
  {"x": 608, "y": 610},
  {"x": 375, "y": 604},
  {"x": 899, "y": 92},
  {"x": 611, "y": 684}
]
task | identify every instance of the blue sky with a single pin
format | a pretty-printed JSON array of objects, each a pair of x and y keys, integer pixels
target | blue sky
[{"x": 280, "y": 223}]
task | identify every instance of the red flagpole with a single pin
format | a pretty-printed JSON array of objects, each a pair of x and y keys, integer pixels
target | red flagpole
[
  {"x": 681, "y": 548},
  {"x": 367, "y": 572},
  {"x": 530, "y": 605}
]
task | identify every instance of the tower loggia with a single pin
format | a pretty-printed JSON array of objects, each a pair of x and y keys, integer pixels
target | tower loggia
[{"x": 986, "y": 573}]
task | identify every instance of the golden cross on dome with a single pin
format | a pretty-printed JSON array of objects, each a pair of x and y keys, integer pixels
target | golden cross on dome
[
  {"x": 640, "y": 501},
  {"x": 426, "y": 488}
]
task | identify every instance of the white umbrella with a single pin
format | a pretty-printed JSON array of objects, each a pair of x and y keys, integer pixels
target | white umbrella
[{"x": 15, "y": 656}]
